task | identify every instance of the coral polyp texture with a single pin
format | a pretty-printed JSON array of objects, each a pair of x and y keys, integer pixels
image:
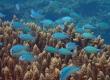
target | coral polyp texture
[{"x": 47, "y": 66}]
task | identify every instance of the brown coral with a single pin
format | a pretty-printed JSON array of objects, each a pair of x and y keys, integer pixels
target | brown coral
[{"x": 48, "y": 66}]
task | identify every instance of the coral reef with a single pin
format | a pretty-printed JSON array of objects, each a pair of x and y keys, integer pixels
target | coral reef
[{"x": 95, "y": 66}]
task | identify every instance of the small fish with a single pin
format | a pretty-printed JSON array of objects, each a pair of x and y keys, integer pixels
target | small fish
[
  {"x": 74, "y": 15},
  {"x": 89, "y": 26},
  {"x": 18, "y": 54},
  {"x": 49, "y": 26},
  {"x": 91, "y": 49},
  {"x": 71, "y": 46},
  {"x": 17, "y": 7},
  {"x": 26, "y": 37},
  {"x": 59, "y": 35},
  {"x": 36, "y": 15},
  {"x": 67, "y": 19},
  {"x": 28, "y": 57},
  {"x": 54, "y": 4},
  {"x": 26, "y": 29},
  {"x": 87, "y": 36},
  {"x": 66, "y": 71},
  {"x": 80, "y": 30},
  {"x": 58, "y": 21},
  {"x": 17, "y": 48},
  {"x": 103, "y": 25},
  {"x": 65, "y": 10},
  {"x": 64, "y": 51},
  {"x": 47, "y": 22},
  {"x": 50, "y": 49},
  {"x": 2, "y": 15},
  {"x": 16, "y": 25}
]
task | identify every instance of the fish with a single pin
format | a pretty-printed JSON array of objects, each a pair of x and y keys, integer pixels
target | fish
[
  {"x": 26, "y": 37},
  {"x": 74, "y": 15},
  {"x": 66, "y": 71},
  {"x": 47, "y": 22},
  {"x": 71, "y": 46},
  {"x": 65, "y": 10},
  {"x": 91, "y": 49},
  {"x": 103, "y": 25},
  {"x": 87, "y": 35},
  {"x": 64, "y": 51},
  {"x": 59, "y": 35},
  {"x": 80, "y": 30},
  {"x": 2, "y": 15},
  {"x": 67, "y": 19},
  {"x": 88, "y": 26},
  {"x": 50, "y": 49},
  {"x": 28, "y": 57},
  {"x": 36, "y": 15},
  {"x": 17, "y": 7},
  {"x": 20, "y": 53},
  {"x": 17, "y": 48},
  {"x": 26, "y": 29},
  {"x": 54, "y": 4},
  {"x": 16, "y": 25},
  {"x": 58, "y": 21}
]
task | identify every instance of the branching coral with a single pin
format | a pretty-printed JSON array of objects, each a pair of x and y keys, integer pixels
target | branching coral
[{"x": 95, "y": 66}]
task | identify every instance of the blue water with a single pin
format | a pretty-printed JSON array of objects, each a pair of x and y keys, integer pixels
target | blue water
[{"x": 92, "y": 12}]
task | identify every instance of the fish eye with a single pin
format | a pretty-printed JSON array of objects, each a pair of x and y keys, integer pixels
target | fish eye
[{"x": 22, "y": 57}]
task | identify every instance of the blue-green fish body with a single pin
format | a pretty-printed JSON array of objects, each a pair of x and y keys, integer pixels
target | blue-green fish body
[
  {"x": 80, "y": 30},
  {"x": 88, "y": 26},
  {"x": 58, "y": 21},
  {"x": 71, "y": 46},
  {"x": 65, "y": 10},
  {"x": 17, "y": 7},
  {"x": 16, "y": 25},
  {"x": 67, "y": 19},
  {"x": 36, "y": 15},
  {"x": 87, "y": 36},
  {"x": 54, "y": 4},
  {"x": 74, "y": 15},
  {"x": 26, "y": 29},
  {"x": 50, "y": 49},
  {"x": 91, "y": 49},
  {"x": 52, "y": 26},
  {"x": 59, "y": 35},
  {"x": 18, "y": 54},
  {"x": 17, "y": 48},
  {"x": 26, "y": 37},
  {"x": 103, "y": 25},
  {"x": 66, "y": 71},
  {"x": 64, "y": 51},
  {"x": 28, "y": 57},
  {"x": 2, "y": 15},
  {"x": 47, "y": 22}
]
